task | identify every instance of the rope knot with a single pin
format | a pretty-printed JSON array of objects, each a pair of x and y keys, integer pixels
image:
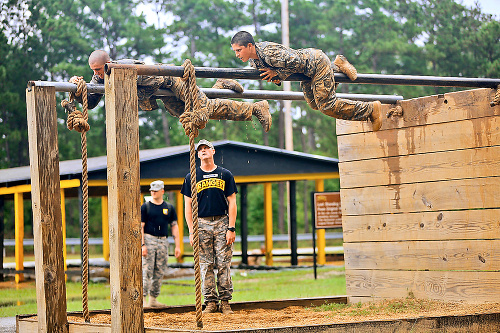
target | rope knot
[{"x": 76, "y": 121}]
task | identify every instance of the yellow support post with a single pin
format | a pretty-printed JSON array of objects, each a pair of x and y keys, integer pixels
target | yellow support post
[
  {"x": 320, "y": 233},
  {"x": 105, "y": 227},
  {"x": 19, "y": 234},
  {"x": 179, "y": 208},
  {"x": 63, "y": 218},
  {"x": 268, "y": 222}
]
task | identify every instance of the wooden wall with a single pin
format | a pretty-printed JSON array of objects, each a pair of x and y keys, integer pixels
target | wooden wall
[{"x": 421, "y": 201}]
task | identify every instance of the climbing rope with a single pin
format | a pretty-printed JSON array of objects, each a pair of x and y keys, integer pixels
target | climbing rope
[
  {"x": 193, "y": 119},
  {"x": 78, "y": 121}
]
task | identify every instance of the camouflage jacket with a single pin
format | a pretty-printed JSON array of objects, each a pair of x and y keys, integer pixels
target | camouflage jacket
[
  {"x": 146, "y": 88},
  {"x": 284, "y": 60}
]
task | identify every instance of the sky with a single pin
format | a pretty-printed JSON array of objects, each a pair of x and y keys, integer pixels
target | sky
[{"x": 487, "y": 6}]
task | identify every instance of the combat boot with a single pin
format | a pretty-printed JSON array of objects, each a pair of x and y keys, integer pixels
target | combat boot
[
  {"x": 225, "y": 307},
  {"x": 345, "y": 67},
  {"x": 211, "y": 307},
  {"x": 376, "y": 116},
  {"x": 153, "y": 303},
  {"x": 261, "y": 111},
  {"x": 228, "y": 84}
]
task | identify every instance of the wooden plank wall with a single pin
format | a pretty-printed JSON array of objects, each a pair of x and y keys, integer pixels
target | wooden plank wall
[{"x": 421, "y": 201}]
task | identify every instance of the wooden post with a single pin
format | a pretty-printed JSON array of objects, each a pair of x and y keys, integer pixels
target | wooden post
[
  {"x": 2, "y": 227},
  {"x": 320, "y": 233},
  {"x": 105, "y": 227},
  {"x": 19, "y": 234},
  {"x": 46, "y": 203},
  {"x": 292, "y": 204},
  {"x": 268, "y": 222},
  {"x": 244, "y": 223},
  {"x": 179, "y": 208},
  {"x": 63, "y": 221},
  {"x": 122, "y": 133}
]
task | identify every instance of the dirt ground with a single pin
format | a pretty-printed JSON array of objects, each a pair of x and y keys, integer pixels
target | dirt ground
[{"x": 300, "y": 316}]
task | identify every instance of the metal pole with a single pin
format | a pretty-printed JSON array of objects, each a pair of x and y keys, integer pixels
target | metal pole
[
  {"x": 293, "y": 222},
  {"x": 225, "y": 93},
  {"x": 313, "y": 221},
  {"x": 253, "y": 74},
  {"x": 244, "y": 224}
]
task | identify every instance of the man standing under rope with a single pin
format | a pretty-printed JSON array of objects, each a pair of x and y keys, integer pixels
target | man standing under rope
[
  {"x": 148, "y": 85},
  {"x": 156, "y": 216},
  {"x": 277, "y": 62},
  {"x": 216, "y": 226}
]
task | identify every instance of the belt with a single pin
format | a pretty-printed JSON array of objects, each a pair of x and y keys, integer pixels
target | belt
[
  {"x": 157, "y": 236},
  {"x": 213, "y": 218}
]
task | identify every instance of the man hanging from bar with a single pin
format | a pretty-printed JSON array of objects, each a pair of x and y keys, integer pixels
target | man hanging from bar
[
  {"x": 277, "y": 62},
  {"x": 147, "y": 86}
]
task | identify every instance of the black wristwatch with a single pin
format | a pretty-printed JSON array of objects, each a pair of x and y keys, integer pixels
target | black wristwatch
[{"x": 233, "y": 229}]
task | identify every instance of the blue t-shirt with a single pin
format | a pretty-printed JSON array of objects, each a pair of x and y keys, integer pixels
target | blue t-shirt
[
  {"x": 213, "y": 188},
  {"x": 157, "y": 218}
]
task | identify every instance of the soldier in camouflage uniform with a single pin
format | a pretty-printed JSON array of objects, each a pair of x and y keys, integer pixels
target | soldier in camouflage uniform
[
  {"x": 216, "y": 194},
  {"x": 278, "y": 62},
  {"x": 157, "y": 216},
  {"x": 147, "y": 86}
]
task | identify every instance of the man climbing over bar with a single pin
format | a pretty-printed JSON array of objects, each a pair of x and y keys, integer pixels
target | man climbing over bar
[
  {"x": 147, "y": 86},
  {"x": 277, "y": 62}
]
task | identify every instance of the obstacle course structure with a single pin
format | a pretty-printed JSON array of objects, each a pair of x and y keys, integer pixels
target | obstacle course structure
[{"x": 361, "y": 202}]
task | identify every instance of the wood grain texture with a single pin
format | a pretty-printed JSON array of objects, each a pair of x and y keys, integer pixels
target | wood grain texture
[
  {"x": 439, "y": 225},
  {"x": 456, "y": 164},
  {"x": 433, "y": 109},
  {"x": 122, "y": 133},
  {"x": 474, "y": 193},
  {"x": 464, "y": 255},
  {"x": 472, "y": 287},
  {"x": 463, "y": 134},
  {"x": 46, "y": 204}
]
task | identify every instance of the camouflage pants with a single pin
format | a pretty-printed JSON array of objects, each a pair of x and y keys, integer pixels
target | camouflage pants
[
  {"x": 154, "y": 264},
  {"x": 319, "y": 93},
  {"x": 217, "y": 108},
  {"x": 215, "y": 255}
]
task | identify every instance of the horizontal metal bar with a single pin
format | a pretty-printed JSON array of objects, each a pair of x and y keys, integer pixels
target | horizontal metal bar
[
  {"x": 253, "y": 74},
  {"x": 225, "y": 93}
]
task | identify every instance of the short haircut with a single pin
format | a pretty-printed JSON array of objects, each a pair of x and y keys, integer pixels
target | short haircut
[
  {"x": 242, "y": 38},
  {"x": 99, "y": 57}
]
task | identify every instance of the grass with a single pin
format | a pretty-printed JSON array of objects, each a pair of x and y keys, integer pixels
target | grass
[{"x": 248, "y": 286}]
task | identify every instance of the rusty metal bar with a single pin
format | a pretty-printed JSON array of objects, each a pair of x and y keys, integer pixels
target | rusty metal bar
[
  {"x": 226, "y": 93},
  {"x": 252, "y": 74}
]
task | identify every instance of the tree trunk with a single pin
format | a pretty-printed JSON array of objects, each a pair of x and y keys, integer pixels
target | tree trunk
[{"x": 166, "y": 129}]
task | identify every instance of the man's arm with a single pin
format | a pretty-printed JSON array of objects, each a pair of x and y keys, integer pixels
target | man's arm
[
  {"x": 175, "y": 234},
  {"x": 189, "y": 217},
  {"x": 232, "y": 211}
]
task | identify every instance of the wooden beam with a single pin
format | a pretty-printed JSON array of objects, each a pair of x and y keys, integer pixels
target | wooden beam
[
  {"x": 475, "y": 193},
  {"x": 122, "y": 133},
  {"x": 268, "y": 222},
  {"x": 105, "y": 227},
  {"x": 451, "y": 286},
  {"x": 19, "y": 234},
  {"x": 441, "y": 255},
  {"x": 63, "y": 222},
  {"x": 46, "y": 203},
  {"x": 440, "y": 225},
  {"x": 320, "y": 233}
]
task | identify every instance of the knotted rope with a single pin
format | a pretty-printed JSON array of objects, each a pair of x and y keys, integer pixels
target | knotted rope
[
  {"x": 496, "y": 99},
  {"x": 78, "y": 121},
  {"x": 193, "y": 119}
]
